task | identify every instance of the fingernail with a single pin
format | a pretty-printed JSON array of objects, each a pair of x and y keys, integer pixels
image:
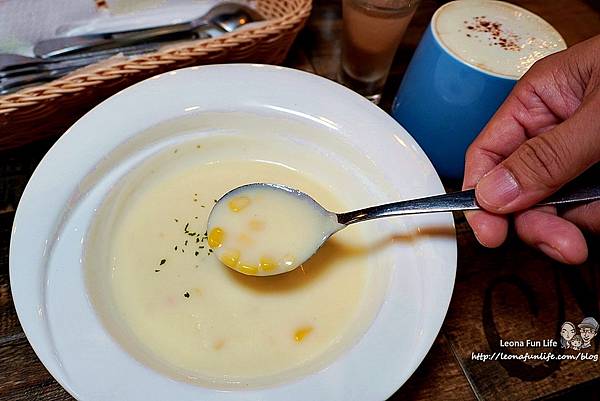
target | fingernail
[
  {"x": 551, "y": 251},
  {"x": 498, "y": 188},
  {"x": 477, "y": 236},
  {"x": 473, "y": 226}
]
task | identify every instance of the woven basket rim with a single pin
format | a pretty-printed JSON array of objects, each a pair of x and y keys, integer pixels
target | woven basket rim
[{"x": 92, "y": 76}]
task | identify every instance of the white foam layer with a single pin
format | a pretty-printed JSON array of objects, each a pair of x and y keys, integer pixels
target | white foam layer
[{"x": 497, "y": 37}]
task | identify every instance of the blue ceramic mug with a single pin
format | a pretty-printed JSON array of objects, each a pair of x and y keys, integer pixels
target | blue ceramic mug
[{"x": 443, "y": 102}]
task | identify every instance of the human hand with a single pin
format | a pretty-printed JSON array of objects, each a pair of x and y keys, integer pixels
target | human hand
[{"x": 545, "y": 134}]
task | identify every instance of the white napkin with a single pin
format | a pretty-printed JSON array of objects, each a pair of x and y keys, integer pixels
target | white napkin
[
  {"x": 24, "y": 22},
  {"x": 138, "y": 14}
]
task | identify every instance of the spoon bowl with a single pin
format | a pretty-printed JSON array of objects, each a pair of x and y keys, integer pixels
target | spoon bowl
[{"x": 267, "y": 229}]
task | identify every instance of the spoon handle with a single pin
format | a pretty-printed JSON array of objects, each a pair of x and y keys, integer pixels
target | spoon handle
[
  {"x": 76, "y": 44},
  {"x": 463, "y": 200}
]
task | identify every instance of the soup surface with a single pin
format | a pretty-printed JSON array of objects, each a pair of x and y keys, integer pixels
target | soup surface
[{"x": 174, "y": 305}]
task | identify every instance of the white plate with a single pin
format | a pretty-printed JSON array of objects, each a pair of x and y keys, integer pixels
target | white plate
[{"x": 59, "y": 202}]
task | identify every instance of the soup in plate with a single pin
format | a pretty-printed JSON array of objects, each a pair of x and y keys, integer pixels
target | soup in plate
[{"x": 163, "y": 293}]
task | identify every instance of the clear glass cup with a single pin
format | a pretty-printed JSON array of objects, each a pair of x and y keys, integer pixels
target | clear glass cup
[{"x": 373, "y": 30}]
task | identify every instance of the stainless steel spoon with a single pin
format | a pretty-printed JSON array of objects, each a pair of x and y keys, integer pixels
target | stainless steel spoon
[{"x": 334, "y": 222}]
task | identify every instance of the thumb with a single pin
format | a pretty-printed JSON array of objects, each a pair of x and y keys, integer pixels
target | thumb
[{"x": 541, "y": 165}]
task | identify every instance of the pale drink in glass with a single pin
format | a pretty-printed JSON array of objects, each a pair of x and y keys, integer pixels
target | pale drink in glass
[{"x": 373, "y": 30}]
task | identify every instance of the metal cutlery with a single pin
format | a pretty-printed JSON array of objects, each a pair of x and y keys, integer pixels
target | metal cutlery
[
  {"x": 28, "y": 65},
  {"x": 224, "y": 17}
]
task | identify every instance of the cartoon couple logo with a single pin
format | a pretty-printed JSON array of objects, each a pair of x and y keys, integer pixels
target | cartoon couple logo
[{"x": 569, "y": 339}]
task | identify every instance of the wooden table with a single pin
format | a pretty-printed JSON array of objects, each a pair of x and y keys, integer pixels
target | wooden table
[{"x": 510, "y": 293}]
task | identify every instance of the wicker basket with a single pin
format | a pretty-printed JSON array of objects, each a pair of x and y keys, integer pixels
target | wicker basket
[{"x": 38, "y": 112}]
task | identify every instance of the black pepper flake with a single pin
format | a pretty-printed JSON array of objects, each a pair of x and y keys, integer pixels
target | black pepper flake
[
  {"x": 215, "y": 200},
  {"x": 196, "y": 217},
  {"x": 156, "y": 270},
  {"x": 196, "y": 253},
  {"x": 188, "y": 232},
  {"x": 175, "y": 247},
  {"x": 162, "y": 261},
  {"x": 202, "y": 206},
  {"x": 195, "y": 200},
  {"x": 195, "y": 194},
  {"x": 210, "y": 250},
  {"x": 201, "y": 247},
  {"x": 185, "y": 243},
  {"x": 176, "y": 221},
  {"x": 186, "y": 294},
  {"x": 197, "y": 240}
]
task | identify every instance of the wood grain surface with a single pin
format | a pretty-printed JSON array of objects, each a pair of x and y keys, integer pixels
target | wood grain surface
[{"x": 509, "y": 293}]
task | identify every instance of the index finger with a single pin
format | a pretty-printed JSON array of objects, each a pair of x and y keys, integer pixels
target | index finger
[{"x": 522, "y": 115}]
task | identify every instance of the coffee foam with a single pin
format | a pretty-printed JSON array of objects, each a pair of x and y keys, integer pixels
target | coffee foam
[{"x": 497, "y": 37}]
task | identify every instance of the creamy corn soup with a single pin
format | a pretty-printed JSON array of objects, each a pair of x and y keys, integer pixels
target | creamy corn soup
[
  {"x": 165, "y": 296},
  {"x": 263, "y": 230}
]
